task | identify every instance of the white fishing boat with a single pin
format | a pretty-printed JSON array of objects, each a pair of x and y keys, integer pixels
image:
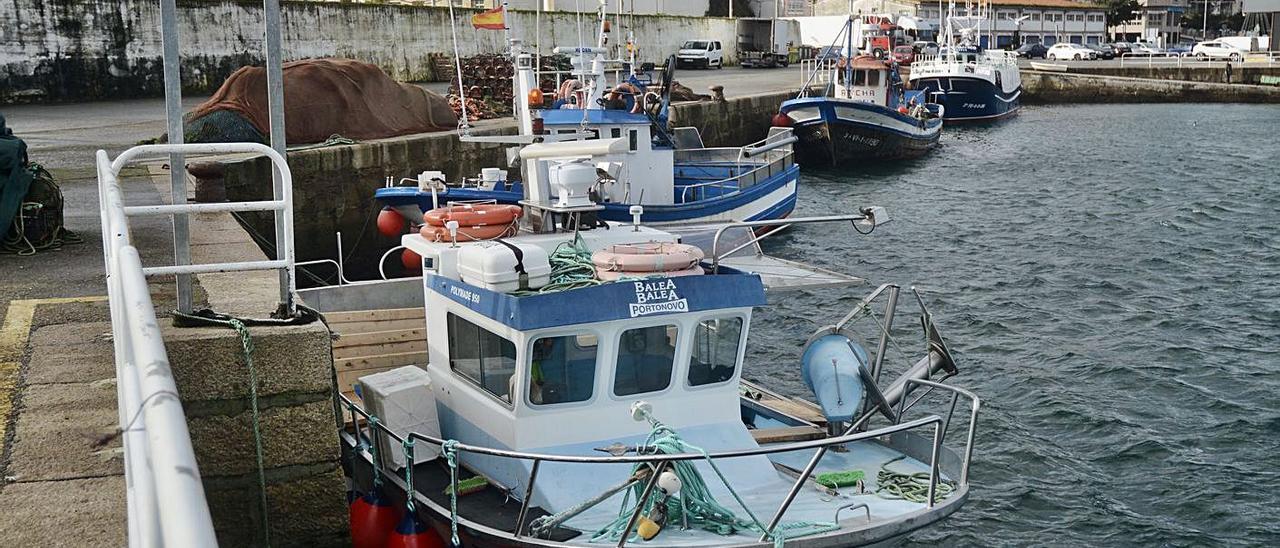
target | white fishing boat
[{"x": 585, "y": 386}]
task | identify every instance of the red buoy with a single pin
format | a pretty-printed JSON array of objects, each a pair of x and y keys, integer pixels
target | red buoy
[
  {"x": 373, "y": 520},
  {"x": 390, "y": 223},
  {"x": 411, "y": 261},
  {"x": 412, "y": 533},
  {"x": 778, "y": 120}
]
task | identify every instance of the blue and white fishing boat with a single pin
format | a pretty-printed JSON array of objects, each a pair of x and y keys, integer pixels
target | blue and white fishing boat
[
  {"x": 864, "y": 111},
  {"x": 669, "y": 172},
  {"x": 973, "y": 84},
  {"x": 585, "y": 386}
]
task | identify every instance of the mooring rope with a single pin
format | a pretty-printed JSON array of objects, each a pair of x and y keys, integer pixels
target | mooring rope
[
  {"x": 913, "y": 487},
  {"x": 450, "y": 451}
]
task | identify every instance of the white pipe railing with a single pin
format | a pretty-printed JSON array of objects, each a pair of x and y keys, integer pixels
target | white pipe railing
[{"x": 165, "y": 498}]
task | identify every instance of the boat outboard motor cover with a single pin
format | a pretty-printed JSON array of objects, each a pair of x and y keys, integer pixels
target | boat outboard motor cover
[{"x": 830, "y": 368}]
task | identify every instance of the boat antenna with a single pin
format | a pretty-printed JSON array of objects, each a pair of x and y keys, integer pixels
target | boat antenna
[{"x": 463, "y": 127}]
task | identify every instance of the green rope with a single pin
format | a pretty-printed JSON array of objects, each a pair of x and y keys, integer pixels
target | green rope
[
  {"x": 246, "y": 343},
  {"x": 333, "y": 140},
  {"x": 408, "y": 475},
  {"x": 571, "y": 268},
  {"x": 909, "y": 487},
  {"x": 695, "y": 505},
  {"x": 450, "y": 451}
]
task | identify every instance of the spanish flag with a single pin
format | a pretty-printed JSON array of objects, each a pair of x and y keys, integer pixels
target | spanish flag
[{"x": 494, "y": 19}]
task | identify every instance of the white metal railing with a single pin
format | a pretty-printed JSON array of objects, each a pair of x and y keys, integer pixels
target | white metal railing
[{"x": 165, "y": 498}]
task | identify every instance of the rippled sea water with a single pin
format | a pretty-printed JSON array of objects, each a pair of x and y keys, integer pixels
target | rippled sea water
[{"x": 1109, "y": 279}]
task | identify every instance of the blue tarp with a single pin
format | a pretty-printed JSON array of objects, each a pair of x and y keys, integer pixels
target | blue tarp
[{"x": 15, "y": 179}]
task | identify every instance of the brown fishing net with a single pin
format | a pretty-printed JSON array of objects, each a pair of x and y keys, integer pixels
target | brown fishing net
[{"x": 322, "y": 97}]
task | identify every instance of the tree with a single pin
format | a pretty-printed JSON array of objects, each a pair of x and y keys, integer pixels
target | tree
[{"x": 1120, "y": 12}]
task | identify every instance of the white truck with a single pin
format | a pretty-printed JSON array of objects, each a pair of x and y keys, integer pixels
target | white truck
[{"x": 766, "y": 42}]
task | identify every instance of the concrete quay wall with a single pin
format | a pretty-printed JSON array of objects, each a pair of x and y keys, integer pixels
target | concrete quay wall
[
  {"x": 72, "y": 50},
  {"x": 1058, "y": 88},
  {"x": 1241, "y": 73}
]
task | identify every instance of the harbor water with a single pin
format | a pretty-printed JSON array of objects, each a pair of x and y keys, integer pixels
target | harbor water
[{"x": 1109, "y": 279}]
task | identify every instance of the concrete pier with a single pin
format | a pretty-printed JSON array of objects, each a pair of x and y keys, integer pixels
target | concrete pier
[{"x": 1058, "y": 88}]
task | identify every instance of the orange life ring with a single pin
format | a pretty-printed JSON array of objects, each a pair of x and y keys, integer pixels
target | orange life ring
[
  {"x": 472, "y": 215},
  {"x": 468, "y": 233},
  {"x": 650, "y": 257},
  {"x": 611, "y": 275}
]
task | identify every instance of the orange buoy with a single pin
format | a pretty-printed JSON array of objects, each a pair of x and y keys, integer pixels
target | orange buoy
[
  {"x": 390, "y": 223},
  {"x": 467, "y": 233},
  {"x": 373, "y": 520},
  {"x": 412, "y": 533},
  {"x": 473, "y": 214},
  {"x": 781, "y": 120},
  {"x": 412, "y": 261}
]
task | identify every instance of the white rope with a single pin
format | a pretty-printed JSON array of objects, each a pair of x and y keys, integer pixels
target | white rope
[{"x": 457, "y": 63}]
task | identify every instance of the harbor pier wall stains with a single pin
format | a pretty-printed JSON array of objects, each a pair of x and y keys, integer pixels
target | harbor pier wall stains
[
  {"x": 74, "y": 50},
  {"x": 1241, "y": 73}
]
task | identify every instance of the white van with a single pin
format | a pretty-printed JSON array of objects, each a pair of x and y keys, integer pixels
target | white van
[{"x": 701, "y": 53}]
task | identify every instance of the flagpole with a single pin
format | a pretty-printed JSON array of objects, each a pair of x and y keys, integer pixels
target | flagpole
[{"x": 463, "y": 127}]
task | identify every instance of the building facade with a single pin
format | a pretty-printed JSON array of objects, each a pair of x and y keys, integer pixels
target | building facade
[
  {"x": 1012, "y": 23},
  {"x": 1157, "y": 21}
]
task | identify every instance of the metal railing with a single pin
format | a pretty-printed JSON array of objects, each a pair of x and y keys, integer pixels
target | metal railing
[
  {"x": 770, "y": 156},
  {"x": 647, "y": 455},
  {"x": 777, "y": 225},
  {"x": 166, "y": 503}
]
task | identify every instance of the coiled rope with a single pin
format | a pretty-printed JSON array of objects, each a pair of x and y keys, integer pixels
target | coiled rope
[
  {"x": 912, "y": 487},
  {"x": 571, "y": 268}
]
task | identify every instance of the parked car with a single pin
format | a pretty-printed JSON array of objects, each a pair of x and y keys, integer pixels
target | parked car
[
  {"x": 1067, "y": 50},
  {"x": 1105, "y": 51},
  {"x": 904, "y": 55},
  {"x": 1122, "y": 48},
  {"x": 1179, "y": 50},
  {"x": 830, "y": 53},
  {"x": 1147, "y": 48},
  {"x": 1216, "y": 49},
  {"x": 925, "y": 47},
  {"x": 700, "y": 53},
  {"x": 1031, "y": 51}
]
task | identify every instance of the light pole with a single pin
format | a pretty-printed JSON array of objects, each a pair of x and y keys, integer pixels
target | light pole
[{"x": 1204, "y": 31}]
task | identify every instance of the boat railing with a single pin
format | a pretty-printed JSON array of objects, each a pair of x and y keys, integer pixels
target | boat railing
[
  {"x": 165, "y": 499},
  {"x": 649, "y": 455},
  {"x": 769, "y": 156},
  {"x": 775, "y": 226},
  {"x": 818, "y": 71}
]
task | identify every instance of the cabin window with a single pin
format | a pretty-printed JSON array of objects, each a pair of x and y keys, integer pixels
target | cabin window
[
  {"x": 615, "y": 132},
  {"x": 645, "y": 357},
  {"x": 562, "y": 369},
  {"x": 873, "y": 78},
  {"x": 715, "y": 351},
  {"x": 635, "y": 140},
  {"x": 482, "y": 357},
  {"x": 859, "y": 77}
]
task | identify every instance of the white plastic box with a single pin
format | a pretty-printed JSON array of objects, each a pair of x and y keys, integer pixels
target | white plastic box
[
  {"x": 402, "y": 400},
  {"x": 492, "y": 265}
]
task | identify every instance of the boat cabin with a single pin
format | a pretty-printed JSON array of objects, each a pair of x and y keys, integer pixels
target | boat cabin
[
  {"x": 642, "y": 169},
  {"x": 866, "y": 79},
  {"x": 557, "y": 372}
]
